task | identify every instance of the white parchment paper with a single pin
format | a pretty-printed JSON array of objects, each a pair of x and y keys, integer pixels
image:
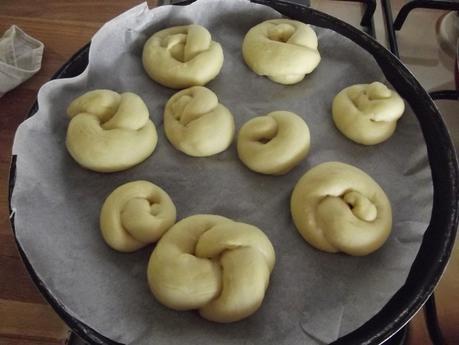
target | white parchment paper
[{"x": 313, "y": 297}]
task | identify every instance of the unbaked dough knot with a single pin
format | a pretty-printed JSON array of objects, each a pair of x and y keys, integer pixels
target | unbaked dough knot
[
  {"x": 339, "y": 208},
  {"x": 213, "y": 264},
  {"x": 135, "y": 215},
  {"x": 197, "y": 124},
  {"x": 367, "y": 113},
  {"x": 274, "y": 143},
  {"x": 284, "y": 50},
  {"x": 109, "y": 131},
  {"x": 182, "y": 56}
]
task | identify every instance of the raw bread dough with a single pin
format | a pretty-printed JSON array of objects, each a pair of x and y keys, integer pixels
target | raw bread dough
[
  {"x": 136, "y": 214},
  {"x": 284, "y": 50},
  {"x": 109, "y": 131},
  {"x": 339, "y": 208},
  {"x": 273, "y": 144},
  {"x": 367, "y": 113},
  {"x": 182, "y": 56},
  {"x": 213, "y": 264},
  {"x": 196, "y": 124}
]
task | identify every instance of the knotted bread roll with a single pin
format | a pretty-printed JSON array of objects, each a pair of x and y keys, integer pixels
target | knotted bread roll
[
  {"x": 182, "y": 56},
  {"x": 136, "y": 214},
  {"x": 339, "y": 208},
  {"x": 109, "y": 131},
  {"x": 367, "y": 113},
  {"x": 213, "y": 264},
  {"x": 196, "y": 124},
  {"x": 273, "y": 144},
  {"x": 284, "y": 50}
]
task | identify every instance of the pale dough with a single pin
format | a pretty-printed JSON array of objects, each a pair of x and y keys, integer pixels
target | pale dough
[
  {"x": 367, "y": 113},
  {"x": 136, "y": 214},
  {"x": 197, "y": 124},
  {"x": 182, "y": 56},
  {"x": 213, "y": 264},
  {"x": 109, "y": 131},
  {"x": 339, "y": 208},
  {"x": 284, "y": 50},
  {"x": 273, "y": 144}
]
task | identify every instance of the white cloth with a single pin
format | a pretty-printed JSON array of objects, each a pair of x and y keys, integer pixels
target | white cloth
[{"x": 20, "y": 58}]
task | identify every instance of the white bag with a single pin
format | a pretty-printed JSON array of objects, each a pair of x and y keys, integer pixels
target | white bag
[{"x": 20, "y": 58}]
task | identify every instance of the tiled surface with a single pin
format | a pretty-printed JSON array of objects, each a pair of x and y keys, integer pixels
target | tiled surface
[
  {"x": 418, "y": 44},
  {"x": 419, "y": 49}
]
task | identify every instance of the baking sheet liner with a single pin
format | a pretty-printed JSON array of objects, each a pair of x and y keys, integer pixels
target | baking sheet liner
[{"x": 313, "y": 297}]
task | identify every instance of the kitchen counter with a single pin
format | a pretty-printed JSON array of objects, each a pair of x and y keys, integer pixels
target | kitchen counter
[{"x": 64, "y": 27}]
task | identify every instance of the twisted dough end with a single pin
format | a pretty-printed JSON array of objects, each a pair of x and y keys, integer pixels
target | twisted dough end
[
  {"x": 367, "y": 113},
  {"x": 109, "y": 131},
  {"x": 273, "y": 144},
  {"x": 136, "y": 214},
  {"x": 339, "y": 208},
  {"x": 283, "y": 50},
  {"x": 213, "y": 264},
  {"x": 197, "y": 124},
  {"x": 182, "y": 56}
]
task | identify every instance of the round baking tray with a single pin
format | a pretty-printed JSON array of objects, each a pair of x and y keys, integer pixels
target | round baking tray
[{"x": 438, "y": 239}]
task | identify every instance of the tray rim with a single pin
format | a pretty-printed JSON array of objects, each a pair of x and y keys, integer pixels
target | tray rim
[{"x": 422, "y": 277}]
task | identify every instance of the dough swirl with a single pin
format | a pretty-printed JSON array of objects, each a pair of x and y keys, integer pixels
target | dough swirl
[
  {"x": 367, "y": 113},
  {"x": 182, "y": 56},
  {"x": 339, "y": 208},
  {"x": 283, "y": 50},
  {"x": 273, "y": 144},
  {"x": 213, "y": 264},
  {"x": 136, "y": 214},
  {"x": 109, "y": 131},
  {"x": 197, "y": 124}
]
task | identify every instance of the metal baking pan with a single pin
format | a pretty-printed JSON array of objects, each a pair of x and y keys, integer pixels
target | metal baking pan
[{"x": 439, "y": 237}]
